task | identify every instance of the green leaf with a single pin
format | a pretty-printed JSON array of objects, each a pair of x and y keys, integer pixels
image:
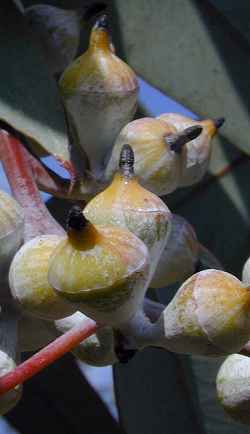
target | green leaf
[
  {"x": 192, "y": 53},
  {"x": 72, "y": 4},
  {"x": 152, "y": 395},
  {"x": 29, "y": 98},
  {"x": 237, "y": 13}
]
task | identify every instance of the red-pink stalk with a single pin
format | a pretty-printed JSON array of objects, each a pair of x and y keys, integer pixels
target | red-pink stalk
[
  {"x": 38, "y": 221},
  {"x": 47, "y": 355},
  {"x": 47, "y": 180},
  {"x": 15, "y": 160}
]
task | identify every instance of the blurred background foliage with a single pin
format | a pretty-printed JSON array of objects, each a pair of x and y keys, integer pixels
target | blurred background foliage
[{"x": 198, "y": 53}]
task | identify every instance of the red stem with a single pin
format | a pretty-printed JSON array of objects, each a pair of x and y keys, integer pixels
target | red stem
[
  {"x": 47, "y": 355},
  {"x": 38, "y": 221},
  {"x": 47, "y": 180},
  {"x": 15, "y": 159}
]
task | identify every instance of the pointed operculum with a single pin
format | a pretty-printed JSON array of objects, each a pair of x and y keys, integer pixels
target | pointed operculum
[
  {"x": 212, "y": 125},
  {"x": 98, "y": 69},
  {"x": 125, "y": 203},
  {"x": 104, "y": 269},
  {"x": 209, "y": 315},
  {"x": 195, "y": 159},
  {"x": 99, "y": 92},
  {"x": 82, "y": 235},
  {"x": 157, "y": 167},
  {"x": 181, "y": 121},
  {"x": 127, "y": 161},
  {"x": 177, "y": 141},
  {"x": 99, "y": 37},
  {"x": 233, "y": 387}
]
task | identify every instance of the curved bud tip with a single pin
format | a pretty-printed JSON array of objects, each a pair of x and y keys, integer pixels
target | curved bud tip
[
  {"x": 93, "y": 10},
  {"x": 127, "y": 158},
  {"x": 101, "y": 22},
  {"x": 192, "y": 133},
  {"x": 76, "y": 219},
  {"x": 218, "y": 122},
  {"x": 177, "y": 141}
]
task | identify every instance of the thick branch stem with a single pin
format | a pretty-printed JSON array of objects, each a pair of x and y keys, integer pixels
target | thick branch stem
[
  {"x": 38, "y": 221},
  {"x": 15, "y": 159}
]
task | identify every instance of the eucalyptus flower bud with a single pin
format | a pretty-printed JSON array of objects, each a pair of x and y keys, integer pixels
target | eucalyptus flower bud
[
  {"x": 102, "y": 269},
  {"x": 9, "y": 356},
  {"x": 195, "y": 155},
  {"x": 157, "y": 148},
  {"x": 233, "y": 387},
  {"x": 29, "y": 283},
  {"x": 11, "y": 398},
  {"x": 11, "y": 232},
  {"x": 126, "y": 204},
  {"x": 209, "y": 315},
  {"x": 246, "y": 272},
  {"x": 98, "y": 349},
  {"x": 101, "y": 349},
  {"x": 100, "y": 93}
]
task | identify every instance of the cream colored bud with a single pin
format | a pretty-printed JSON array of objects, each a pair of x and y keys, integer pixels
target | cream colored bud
[
  {"x": 99, "y": 92},
  {"x": 156, "y": 165},
  {"x": 246, "y": 272},
  {"x": 126, "y": 204},
  {"x": 233, "y": 387},
  {"x": 28, "y": 280},
  {"x": 102, "y": 269},
  {"x": 195, "y": 154},
  {"x": 209, "y": 315},
  {"x": 11, "y": 398},
  {"x": 9, "y": 356},
  {"x": 11, "y": 232},
  {"x": 98, "y": 349}
]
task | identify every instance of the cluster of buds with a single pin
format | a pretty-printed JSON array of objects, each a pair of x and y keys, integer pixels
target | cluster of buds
[{"x": 85, "y": 289}]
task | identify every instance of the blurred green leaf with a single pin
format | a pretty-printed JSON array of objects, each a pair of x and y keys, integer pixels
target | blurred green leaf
[
  {"x": 29, "y": 98},
  {"x": 237, "y": 13},
  {"x": 190, "y": 51},
  {"x": 72, "y": 4},
  {"x": 153, "y": 395},
  {"x": 198, "y": 54}
]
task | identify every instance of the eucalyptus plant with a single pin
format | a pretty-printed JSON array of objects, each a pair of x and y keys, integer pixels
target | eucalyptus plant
[{"x": 85, "y": 289}]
